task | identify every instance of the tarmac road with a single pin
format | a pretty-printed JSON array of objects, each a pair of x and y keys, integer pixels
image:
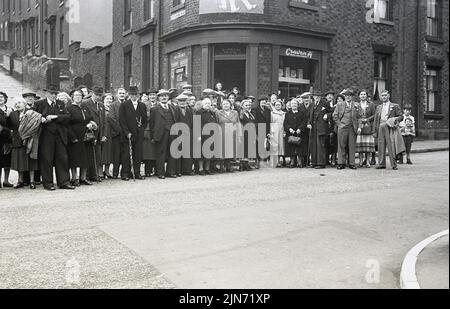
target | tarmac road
[{"x": 287, "y": 228}]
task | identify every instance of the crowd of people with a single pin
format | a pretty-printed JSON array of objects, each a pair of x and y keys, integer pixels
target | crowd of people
[{"x": 87, "y": 136}]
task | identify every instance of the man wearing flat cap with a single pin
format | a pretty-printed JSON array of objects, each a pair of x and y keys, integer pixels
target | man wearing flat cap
[
  {"x": 53, "y": 140},
  {"x": 162, "y": 117},
  {"x": 97, "y": 109},
  {"x": 318, "y": 124},
  {"x": 133, "y": 120},
  {"x": 346, "y": 119}
]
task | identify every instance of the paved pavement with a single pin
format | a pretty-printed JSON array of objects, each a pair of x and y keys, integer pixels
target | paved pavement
[
  {"x": 273, "y": 228},
  {"x": 432, "y": 268}
]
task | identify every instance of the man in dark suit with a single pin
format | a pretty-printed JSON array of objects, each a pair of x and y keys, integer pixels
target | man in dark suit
[
  {"x": 163, "y": 116},
  {"x": 117, "y": 136},
  {"x": 263, "y": 117},
  {"x": 185, "y": 115},
  {"x": 318, "y": 124},
  {"x": 95, "y": 106},
  {"x": 346, "y": 118},
  {"x": 387, "y": 114},
  {"x": 53, "y": 140},
  {"x": 133, "y": 120}
]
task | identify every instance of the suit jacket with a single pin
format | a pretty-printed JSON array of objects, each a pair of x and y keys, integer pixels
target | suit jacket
[
  {"x": 113, "y": 119},
  {"x": 188, "y": 118},
  {"x": 158, "y": 123},
  {"x": 59, "y": 125},
  {"x": 13, "y": 125},
  {"x": 316, "y": 117},
  {"x": 394, "y": 112},
  {"x": 98, "y": 115},
  {"x": 339, "y": 114},
  {"x": 131, "y": 120}
]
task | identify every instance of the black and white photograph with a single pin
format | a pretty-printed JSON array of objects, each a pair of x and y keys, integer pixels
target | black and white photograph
[{"x": 196, "y": 146}]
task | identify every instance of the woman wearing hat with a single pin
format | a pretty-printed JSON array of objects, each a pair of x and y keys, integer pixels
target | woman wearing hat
[
  {"x": 229, "y": 120},
  {"x": 79, "y": 149},
  {"x": 248, "y": 121},
  {"x": 107, "y": 147},
  {"x": 278, "y": 134},
  {"x": 365, "y": 142},
  {"x": 5, "y": 141},
  {"x": 294, "y": 125},
  {"x": 24, "y": 152}
]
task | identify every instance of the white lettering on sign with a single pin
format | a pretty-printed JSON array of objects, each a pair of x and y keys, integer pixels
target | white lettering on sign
[
  {"x": 299, "y": 53},
  {"x": 177, "y": 14}
]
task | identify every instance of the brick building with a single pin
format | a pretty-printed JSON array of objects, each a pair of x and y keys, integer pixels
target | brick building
[{"x": 289, "y": 46}]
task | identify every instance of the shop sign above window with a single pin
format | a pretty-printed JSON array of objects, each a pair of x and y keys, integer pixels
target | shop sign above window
[
  {"x": 299, "y": 53},
  {"x": 229, "y": 50},
  {"x": 232, "y": 6}
]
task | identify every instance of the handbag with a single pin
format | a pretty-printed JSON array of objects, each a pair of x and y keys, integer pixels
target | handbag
[
  {"x": 89, "y": 136},
  {"x": 294, "y": 140},
  {"x": 267, "y": 144}
]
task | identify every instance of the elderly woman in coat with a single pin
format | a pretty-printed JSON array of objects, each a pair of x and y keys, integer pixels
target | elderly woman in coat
[
  {"x": 278, "y": 134},
  {"x": 25, "y": 125},
  {"x": 229, "y": 120}
]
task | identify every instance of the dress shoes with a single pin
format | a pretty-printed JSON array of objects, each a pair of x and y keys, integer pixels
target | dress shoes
[
  {"x": 125, "y": 178},
  {"x": 67, "y": 187},
  {"x": 85, "y": 183},
  {"x": 172, "y": 176},
  {"x": 341, "y": 167},
  {"x": 52, "y": 188},
  {"x": 352, "y": 167},
  {"x": 32, "y": 186},
  {"x": 381, "y": 167},
  {"x": 20, "y": 185},
  {"x": 140, "y": 177},
  {"x": 395, "y": 168},
  {"x": 75, "y": 183},
  {"x": 409, "y": 162},
  {"x": 320, "y": 167},
  {"x": 7, "y": 185},
  {"x": 162, "y": 177}
]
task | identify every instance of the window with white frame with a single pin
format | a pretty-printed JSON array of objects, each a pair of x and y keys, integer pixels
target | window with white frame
[
  {"x": 381, "y": 78},
  {"x": 432, "y": 86},
  {"x": 381, "y": 10},
  {"x": 433, "y": 18}
]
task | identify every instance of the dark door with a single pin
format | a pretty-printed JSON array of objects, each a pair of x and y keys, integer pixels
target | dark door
[{"x": 231, "y": 73}]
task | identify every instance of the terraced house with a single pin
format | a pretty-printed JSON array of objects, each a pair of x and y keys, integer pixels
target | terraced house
[{"x": 262, "y": 46}]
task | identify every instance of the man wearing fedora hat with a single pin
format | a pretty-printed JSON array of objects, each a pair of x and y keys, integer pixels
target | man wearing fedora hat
[
  {"x": 346, "y": 118},
  {"x": 133, "y": 120},
  {"x": 53, "y": 140},
  {"x": 162, "y": 118},
  {"x": 318, "y": 124},
  {"x": 97, "y": 109}
]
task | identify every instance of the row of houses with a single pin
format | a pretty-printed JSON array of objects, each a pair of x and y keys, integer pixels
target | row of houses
[{"x": 260, "y": 46}]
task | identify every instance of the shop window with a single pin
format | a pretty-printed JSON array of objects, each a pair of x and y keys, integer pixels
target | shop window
[
  {"x": 298, "y": 71},
  {"x": 381, "y": 75},
  {"x": 432, "y": 96}
]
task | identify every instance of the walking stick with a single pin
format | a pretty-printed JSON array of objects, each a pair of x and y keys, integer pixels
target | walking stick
[
  {"x": 95, "y": 161},
  {"x": 308, "y": 162},
  {"x": 131, "y": 158}
]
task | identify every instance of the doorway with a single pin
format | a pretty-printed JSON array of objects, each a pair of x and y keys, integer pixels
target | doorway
[{"x": 231, "y": 73}]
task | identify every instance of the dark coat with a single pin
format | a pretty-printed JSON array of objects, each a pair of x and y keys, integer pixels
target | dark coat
[
  {"x": 113, "y": 120},
  {"x": 79, "y": 151},
  {"x": 58, "y": 126},
  {"x": 13, "y": 124},
  {"x": 158, "y": 122},
  {"x": 320, "y": 126},
  {"x": 294, "y": 121},
  {"x": 133, "y": 121},
  {"x": 249, "y": 141},
  {"x": 262, "y": 115},
  {"x": 98, "y": 115}
]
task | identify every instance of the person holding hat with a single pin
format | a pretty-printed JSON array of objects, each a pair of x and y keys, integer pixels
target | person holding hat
[
  {"x": 388, "y": 114},
  {"x": 184, "y": 114},
  {"x": 408, "y": 130},
  {"x": 346, "y": 118},
  {"x": 318, "y": 124},
  {"x": 162, "y": 117},
  {"x": 149, "y": 150},
  {"x": 133, "y": 120},
  {"x": 5, "y": 140},
  {"x": 97, "y": 109},
  {"x": 53, "y": 140},
  {"x": 263, "y": 117}
]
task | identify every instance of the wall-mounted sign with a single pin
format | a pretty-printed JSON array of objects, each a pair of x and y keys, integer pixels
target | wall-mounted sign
[
  {"x": 230, "y": 50},
  {"x": 177, "y": 14},
  {"x": 232, "y": 6},
  {"x": 299, "y": 53},
  {"x": 178, "y": 69}
]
